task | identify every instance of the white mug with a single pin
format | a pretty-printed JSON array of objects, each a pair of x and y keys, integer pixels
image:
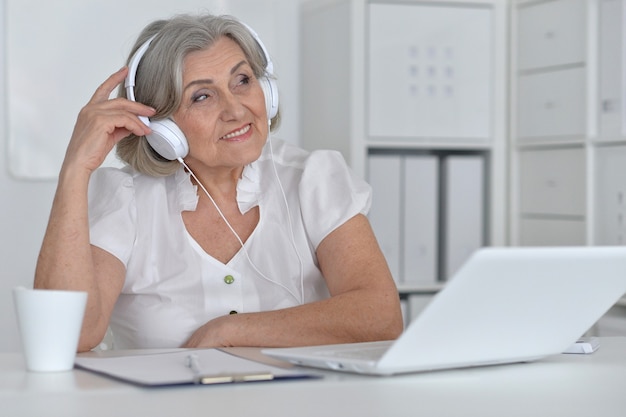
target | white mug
[{"x": 49, "y": 323}]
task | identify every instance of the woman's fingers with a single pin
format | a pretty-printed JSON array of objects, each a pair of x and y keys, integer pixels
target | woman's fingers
[
  {"x": 120, "y": 113},
  {"x": 102, "y": 122}
]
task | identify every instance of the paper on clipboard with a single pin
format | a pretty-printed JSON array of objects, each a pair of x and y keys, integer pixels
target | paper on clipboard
[{"x": 172, "y": 368}]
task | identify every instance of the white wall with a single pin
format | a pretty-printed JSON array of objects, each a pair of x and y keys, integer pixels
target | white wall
[
  {"x": 26, "y": 202},
  {"x": 23, "y": 215}
]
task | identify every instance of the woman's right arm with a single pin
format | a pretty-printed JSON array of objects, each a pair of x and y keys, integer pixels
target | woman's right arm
[{"x": 67, "y": 259}]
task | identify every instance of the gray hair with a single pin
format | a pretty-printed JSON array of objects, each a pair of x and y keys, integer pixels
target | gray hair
[{"x": 160, "y": 75}]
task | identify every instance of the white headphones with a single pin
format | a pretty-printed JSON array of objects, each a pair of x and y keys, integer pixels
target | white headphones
[{"x": 166, "y": 138}]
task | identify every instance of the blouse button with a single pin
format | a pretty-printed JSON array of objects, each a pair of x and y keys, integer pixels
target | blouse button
[
  {"x": 232, "y": 312},
  {"x": 229, "y": 279}
]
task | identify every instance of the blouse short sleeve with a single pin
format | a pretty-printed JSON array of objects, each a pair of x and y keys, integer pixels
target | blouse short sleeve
[
  {"x": 330, "y": 194},
  {"x": 112, "y": 212}
]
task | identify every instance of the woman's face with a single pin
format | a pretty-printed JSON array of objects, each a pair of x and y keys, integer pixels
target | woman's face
[{"x": 222, "y": 112}]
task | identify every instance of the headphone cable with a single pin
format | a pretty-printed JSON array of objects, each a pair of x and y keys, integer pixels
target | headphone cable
[{"x": 243, "y": 246}]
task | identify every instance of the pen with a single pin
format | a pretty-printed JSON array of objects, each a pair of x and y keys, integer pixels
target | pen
[{"x": 193, "y": 362}]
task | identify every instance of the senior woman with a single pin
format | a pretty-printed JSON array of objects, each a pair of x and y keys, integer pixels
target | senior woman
[{"x": 239, "y": 240}]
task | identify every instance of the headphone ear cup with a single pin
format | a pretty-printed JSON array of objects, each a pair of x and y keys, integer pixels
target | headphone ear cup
[
  {"x": 167, "y": 139},
  {"x": 270, "y": 90}
]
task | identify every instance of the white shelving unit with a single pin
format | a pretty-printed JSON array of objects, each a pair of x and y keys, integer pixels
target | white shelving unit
[
  {"x": 568, "y": 125},
  {"x": 420, "y": 111},
  {"x": 568, "y": 136},
  {"x": 552, "y": 121}
]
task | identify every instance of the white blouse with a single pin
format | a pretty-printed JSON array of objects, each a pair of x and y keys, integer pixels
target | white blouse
[{"x": 173, "y": 286}]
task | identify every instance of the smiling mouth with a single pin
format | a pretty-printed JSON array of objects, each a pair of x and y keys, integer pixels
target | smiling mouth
[{"x": 236, "y": 133}]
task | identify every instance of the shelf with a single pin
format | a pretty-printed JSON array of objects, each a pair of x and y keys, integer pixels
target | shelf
[
  {"x": 429, "y": 143},
  {"x": 550, "y": 142},
  {"x": 412, "y": 289}
]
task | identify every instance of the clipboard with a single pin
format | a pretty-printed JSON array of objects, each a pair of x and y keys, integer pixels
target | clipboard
[{"x": 186, "y": 367}]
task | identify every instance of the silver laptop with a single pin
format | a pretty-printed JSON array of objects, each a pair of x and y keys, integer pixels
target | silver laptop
[{"x": 504, "y": 305}]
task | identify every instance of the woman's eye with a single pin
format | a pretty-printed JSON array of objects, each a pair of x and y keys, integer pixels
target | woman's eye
[
  {"x": 244, "y": 79},
  {"x": 199, "y": 97}
]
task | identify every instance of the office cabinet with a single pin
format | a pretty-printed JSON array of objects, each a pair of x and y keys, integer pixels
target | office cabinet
[
  {"x": 391, "y": 87},
  {"x": 568, "y": 171},
  {"x": 567, "y": 121},
  {"x": 552, "y": 121}
]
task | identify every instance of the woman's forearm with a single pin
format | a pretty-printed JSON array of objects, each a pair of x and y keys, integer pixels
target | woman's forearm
[
  {"x": 65, "y": 257},
  {"x": 356, "y": 316},
  {"x": 65, "y": 260}
]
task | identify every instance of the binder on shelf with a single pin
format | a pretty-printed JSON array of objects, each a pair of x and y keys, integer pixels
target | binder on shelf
[
  {"x": 421, "y": 208},
  {"x": 428, "y": 213},
  {"x": 385, "y": 179},
  {"x": 464, "y": 210}
]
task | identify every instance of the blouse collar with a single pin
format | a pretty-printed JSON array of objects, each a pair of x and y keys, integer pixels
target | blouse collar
[{"x": 248, "y": 189}]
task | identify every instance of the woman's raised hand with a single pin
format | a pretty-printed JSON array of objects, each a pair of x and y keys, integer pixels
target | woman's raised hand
[{"x": 103, "y": 122}]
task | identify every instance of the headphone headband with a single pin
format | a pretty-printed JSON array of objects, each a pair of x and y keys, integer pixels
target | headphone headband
[{"x": 129, "y": 83}]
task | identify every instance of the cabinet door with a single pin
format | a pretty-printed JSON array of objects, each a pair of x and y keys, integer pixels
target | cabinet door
[
  {"x": 553, "y": 181},
  {"x": 551, "y": 33},
  {"x": 425, "y": 80},
  {"x": 610, "y": 207},
  {"x": 551, "y": 104}
]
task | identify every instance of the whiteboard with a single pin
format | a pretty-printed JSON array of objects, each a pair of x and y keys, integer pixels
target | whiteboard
[{"x": 58, "y": 52}]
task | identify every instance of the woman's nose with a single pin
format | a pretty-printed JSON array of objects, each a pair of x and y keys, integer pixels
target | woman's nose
[{"x": 232, "y": 108}]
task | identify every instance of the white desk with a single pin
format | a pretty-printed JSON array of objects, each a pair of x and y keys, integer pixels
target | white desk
[{"x": 564, "y": 385}]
